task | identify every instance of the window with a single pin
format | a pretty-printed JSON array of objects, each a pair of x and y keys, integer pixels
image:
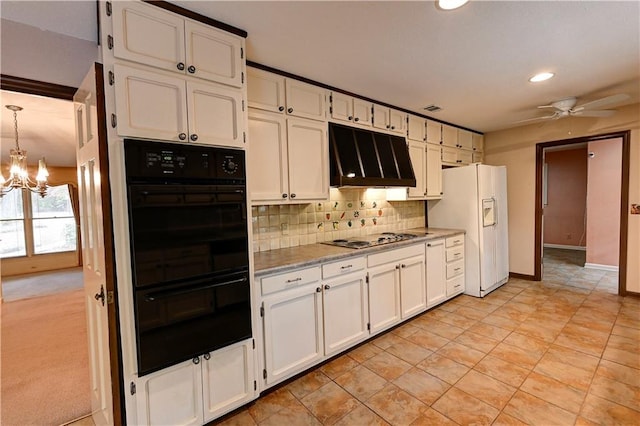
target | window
[{"x": 31, "y": 225}]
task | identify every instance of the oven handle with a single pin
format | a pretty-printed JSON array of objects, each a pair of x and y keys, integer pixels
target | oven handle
[{"x": 151, "y": 297}]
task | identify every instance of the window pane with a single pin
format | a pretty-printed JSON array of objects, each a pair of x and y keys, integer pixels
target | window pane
[
  {"x": 54, "y": 235},
  {"x": 11, "y": 205},
  {"x": 57, "y": 203},
  {"x": 12, "y": 238}
]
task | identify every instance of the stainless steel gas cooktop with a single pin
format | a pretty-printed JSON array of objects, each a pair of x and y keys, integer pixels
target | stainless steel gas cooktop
[{"x": 371, "y": 240}]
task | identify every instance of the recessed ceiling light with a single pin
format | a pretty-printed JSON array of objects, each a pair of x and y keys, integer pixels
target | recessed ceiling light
[
  {"x": 541, "y": 77},
  {"x": 451, "y": 4}
]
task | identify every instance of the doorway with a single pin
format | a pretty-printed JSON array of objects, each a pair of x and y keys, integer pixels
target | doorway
[{"x": 616, "y": 245}]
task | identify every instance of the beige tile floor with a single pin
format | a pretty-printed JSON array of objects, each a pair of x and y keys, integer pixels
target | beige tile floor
[{"x": 562, "y": 351}]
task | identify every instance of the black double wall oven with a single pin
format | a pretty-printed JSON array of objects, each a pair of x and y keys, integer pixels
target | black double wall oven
[{"x": 189, "y": 250}]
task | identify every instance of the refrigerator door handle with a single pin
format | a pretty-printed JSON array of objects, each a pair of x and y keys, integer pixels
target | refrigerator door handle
[{"x": 495, "y": 211}]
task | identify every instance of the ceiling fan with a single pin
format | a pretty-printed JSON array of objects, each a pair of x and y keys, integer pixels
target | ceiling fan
[{"x": 567, "y": 108}]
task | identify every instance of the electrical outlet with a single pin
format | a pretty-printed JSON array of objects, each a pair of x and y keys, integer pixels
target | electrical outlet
[{"x": 284, "y": 227}]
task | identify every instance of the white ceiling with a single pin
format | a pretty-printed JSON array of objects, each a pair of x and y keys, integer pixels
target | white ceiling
[{"x": 473, "y": 62}]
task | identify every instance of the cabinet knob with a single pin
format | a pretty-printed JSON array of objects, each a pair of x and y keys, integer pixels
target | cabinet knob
[
  {"x": 290, "y": 110},
  {"x": 182, "y": 136},
  {"x": 180, "y": 66},
  {"x": 280, "y": 108},
  {"x": 196, "y": 360},
  {"x": 293, "y": 195},
  {"x": 194, "y": 137},
  {"x": 350, "y": 117},
  {"x": 191, "y": 69},
  {"x": 403, "y": 265},
  {"x": 356, "y": 119},
  {"x": 207, "y": 356},
  {"x": 440, "y": 142},
  {"x": 285, "y": 195},
  {"x": 318, "y": 289},
  {"x": 393, "y": 127},
  {"x": 429, "y": 245},
  {"x": 327, "y": 286},
  {"x": 397, "y": 266},
  {"x": 388, "y": 127}
]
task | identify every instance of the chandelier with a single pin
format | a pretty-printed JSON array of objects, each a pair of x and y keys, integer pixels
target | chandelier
[{"x": 18, "y": 174}]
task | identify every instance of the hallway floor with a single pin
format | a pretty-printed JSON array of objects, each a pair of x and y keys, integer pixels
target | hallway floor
[
  {"x": 563, "y": 266},
  {"x": 562, "y": 351}
]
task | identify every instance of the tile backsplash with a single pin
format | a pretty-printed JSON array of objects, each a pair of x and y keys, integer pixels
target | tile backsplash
[{"x": 348, "y": 213}]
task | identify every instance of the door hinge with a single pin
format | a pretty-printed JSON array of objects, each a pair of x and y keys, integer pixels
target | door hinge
[
  {"x": 255, "y": 385},
  {"x": 331, "y": 98},
  {"x": 367, "y": 279},
  {"x": 110, "y": 42},
  {"x": 243, "y": 104},
  {"x": 108, "y": 7},
  {"x": 261, "y": 311},
  {"x": 241, "y": 53},
  {"x": 330, "y": 110},
  {"x": 264, "y": 373},
  {"x": 244, "y": 137},
  {"x": 132, "y": 388},
  {"x": 242, "y": 77},
  {"x": 112, "y": 78},
  {"x": 114, "y": 121},
  {"x": 368, "y": 326},
  {"x": 110, "y": 297},
  {"x": 253, "y": 341}
]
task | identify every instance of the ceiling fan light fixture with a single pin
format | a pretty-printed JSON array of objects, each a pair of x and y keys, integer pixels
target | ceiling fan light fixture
[
  {"x": 543, "y": 76},
  {"x": 451, "y": 4}
]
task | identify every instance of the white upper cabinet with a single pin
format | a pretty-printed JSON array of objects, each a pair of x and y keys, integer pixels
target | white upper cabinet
[
  {"x": 154, "y": 37},
  {"x": 417, "y": 154},
  {"x": 350, "y": 109},
  {"x": 160, "y": 106},
  {"x": 434, "y": 132},
  {"x": 389, "y": 119},
  {"x": 267, "y": 157},
  {"x": 308, "y": 154},
  {"x": 433, "y": 179},
  {"x": 477, "y": 143},
  {"x": 464, "y": 139},
  {"x": 427, "y": 167},
  {"x": 416, "y": 128},
  {"x": 272, "y": 92},
  {"x": 449, "y": 136}
]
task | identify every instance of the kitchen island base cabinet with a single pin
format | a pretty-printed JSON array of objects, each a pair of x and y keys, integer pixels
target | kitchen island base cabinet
[{"x": 197, "y": 391}]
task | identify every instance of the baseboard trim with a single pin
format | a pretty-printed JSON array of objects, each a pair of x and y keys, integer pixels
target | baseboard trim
[
  {"x": 632, "y": 294},
  {"x": 522, "y": 276},
  {"x": 562, "y": 246},
  {"x": 601, "y": 267}
]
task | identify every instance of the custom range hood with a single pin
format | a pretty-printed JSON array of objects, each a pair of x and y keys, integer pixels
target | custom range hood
[{"x": 360, "y": 157}]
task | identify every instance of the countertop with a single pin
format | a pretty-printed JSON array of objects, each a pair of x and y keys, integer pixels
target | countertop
[{"x": 282, "y": 260}]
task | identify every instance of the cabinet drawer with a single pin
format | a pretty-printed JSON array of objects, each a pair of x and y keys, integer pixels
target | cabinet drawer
[
  {"x": 455, "y": 285},
  {"x": 290, "y": 280},
  {"x": 456, "y": 240},
  {"x": 343, "y": 267},
  {"x": 455, "y": 268},
  {"x": 395, "y": 255},
  {"x": 455, "y": 253}
]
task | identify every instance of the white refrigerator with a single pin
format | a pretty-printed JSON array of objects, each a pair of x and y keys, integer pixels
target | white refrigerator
[{"x": 475, "y": 199}]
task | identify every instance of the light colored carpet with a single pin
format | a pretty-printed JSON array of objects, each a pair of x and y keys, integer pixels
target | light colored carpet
[
  {"x": 41, "y": 284},
  {"x": 45, "y": 365}
]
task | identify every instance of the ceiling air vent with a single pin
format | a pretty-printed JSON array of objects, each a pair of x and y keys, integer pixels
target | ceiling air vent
[{"x": 432, "y": 108}]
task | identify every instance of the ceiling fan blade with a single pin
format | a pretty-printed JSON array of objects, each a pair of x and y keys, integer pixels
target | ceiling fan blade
[
  {"x": 545, "y": 106},
  {"x": 602, "y": 102},
  {"x": 594, "y": 113},
  {"x": 545, "y": 117}
]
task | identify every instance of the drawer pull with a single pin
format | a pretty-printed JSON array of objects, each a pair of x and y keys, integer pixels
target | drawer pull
[
  {"x": 346, "y": 267},
  {"x": 456, "y": 269},
  {"x": 456, "y": 241},
  {"x": 457, "y": 254},
  {"x": 327, "y": 286},
  {"x": 294, "y": 280}
]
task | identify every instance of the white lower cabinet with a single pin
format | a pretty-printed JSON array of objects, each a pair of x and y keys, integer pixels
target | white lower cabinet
[
  {"x": 197, "y": 391},
  {"x": 436, "y": 273},
  {"x": 384, "y": 296},
  {"x": 413, "y": 298}
]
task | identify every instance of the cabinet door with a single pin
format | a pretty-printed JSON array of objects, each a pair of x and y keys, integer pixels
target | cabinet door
[
  {"x": 398, "y": 121},
  {"x": 362, "y": 112},
  {"x": 265, "y": 90},
  {"x": 449, "y": 155},
  {"x": 477, "y": 157},
  {"x": 434, "y": 171},
  {"x": 436, "y": 270},
  {"x": 434, "y": 132},
  {"x": 341, "y": 107},
  {"x": 416, "y": 128},
  {"x": 384, "y": 297},
  {"x": 412, "y": 286},
  {"x": 381, "y": 118},
  {"x": 345, "y": 312},
  {"x": 172, "y": 396},
  {"x": 148, "y": 35},
  {"x": 464, "y": 157},
  {"x": 227, "y": 379},
  {"x": 308, "y": 155},
  {"x": 292, "y": 331},
  {"x": 449, "y": 136},
  {"x": 150, "y": 105},
  {"x": 213, "y": 54},
  {"x": 304, "y": 100},
  {"x": 477, "y": 142},
  {"x": 267, "y": 157},
  {"x": 417, "y": 154},
  {"x": 215, "y": 114},
  {"x": 465, "y": 139}
]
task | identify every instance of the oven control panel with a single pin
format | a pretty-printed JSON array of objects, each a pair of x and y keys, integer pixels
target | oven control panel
[{"x": 167, "y": 160}]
